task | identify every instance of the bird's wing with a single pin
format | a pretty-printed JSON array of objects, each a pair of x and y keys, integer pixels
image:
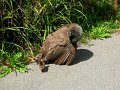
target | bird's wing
[
  {"x": 67, "y": 56},
  {"x": 54, "y": 45}
]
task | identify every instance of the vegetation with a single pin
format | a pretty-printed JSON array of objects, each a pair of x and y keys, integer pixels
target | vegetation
[{"x": 24, "y": 25}]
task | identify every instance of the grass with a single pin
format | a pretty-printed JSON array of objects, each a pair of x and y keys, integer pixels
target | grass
[
  {"x": 12, "y": 63},
  {"x": 15, "y": 61},
  {"x": 24, "y": 26},
  {"x": 101, "y": 31}
]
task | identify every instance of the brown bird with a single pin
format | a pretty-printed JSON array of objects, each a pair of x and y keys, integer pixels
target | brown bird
[{"x": 60, "y": 46}]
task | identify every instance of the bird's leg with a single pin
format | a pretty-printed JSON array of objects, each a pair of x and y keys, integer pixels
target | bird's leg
[
  {"x": 42, "y": 62},
  {"x": 42, "y": 65}
]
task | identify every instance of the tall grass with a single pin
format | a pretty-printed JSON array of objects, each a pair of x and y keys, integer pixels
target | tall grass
[{"x": 24, "y": 25}]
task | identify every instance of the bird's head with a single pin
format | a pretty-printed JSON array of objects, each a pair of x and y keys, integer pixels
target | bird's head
[{"x": 75, "y": 32}]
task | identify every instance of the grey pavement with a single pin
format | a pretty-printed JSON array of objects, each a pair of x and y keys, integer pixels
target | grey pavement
[{"x": 95, "y": 67}]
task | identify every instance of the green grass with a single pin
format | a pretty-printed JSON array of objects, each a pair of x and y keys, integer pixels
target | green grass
[
  {"x": 103, "y": 29},
  {"x": 24, "y": 25},
  {"x": 11, "y": 62},
  {"x": 15, "y": 61}
]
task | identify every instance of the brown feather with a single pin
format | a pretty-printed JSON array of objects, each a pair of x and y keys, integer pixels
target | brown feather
[
  {"x": 72, "y": 51},
  {"x": 58, "y": 46},
  {"x": 62, "y": 58},
  {"x": 70, "y": 58}
]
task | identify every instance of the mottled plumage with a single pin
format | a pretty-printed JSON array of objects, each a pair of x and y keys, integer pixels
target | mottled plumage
[{"x": 60, "y": 46}]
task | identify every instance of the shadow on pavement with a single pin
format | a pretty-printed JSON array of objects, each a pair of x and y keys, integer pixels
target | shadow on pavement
[{"x": 82, "y": 55}]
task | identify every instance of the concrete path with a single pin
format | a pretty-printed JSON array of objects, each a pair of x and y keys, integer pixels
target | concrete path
[{"x": 95, "y": 68}]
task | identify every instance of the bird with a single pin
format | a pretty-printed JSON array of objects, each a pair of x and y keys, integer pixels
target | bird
[{"x": 60, "y": 47}]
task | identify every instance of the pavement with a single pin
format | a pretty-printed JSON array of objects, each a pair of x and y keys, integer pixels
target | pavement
[{"x": 95, "y": 67}]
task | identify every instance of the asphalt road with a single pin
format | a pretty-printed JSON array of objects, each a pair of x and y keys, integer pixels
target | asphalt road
[{"x": 95, "y": 67}]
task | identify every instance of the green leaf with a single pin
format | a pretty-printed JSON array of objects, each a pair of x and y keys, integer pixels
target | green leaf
[{"x": 16, "y": 56}]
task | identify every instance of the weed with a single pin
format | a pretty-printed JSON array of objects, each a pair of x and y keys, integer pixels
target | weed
[
  {"x": 103, "y": 29},
  {"x": 11, "y": 63},
  {"x": 15, "y": 61}
]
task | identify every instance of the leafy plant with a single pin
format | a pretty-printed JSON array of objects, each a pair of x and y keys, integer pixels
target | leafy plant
[
  {"x": 15, "y": 61},
  {"x": 4, "y": 71},
  {"x": 12, "y": 63},
  {"x": 101, "y": 31},
  {"x": 104, "y": 29}
]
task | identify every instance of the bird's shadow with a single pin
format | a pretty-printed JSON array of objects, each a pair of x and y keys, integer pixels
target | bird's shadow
[{"x": 82, "y": 55}]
